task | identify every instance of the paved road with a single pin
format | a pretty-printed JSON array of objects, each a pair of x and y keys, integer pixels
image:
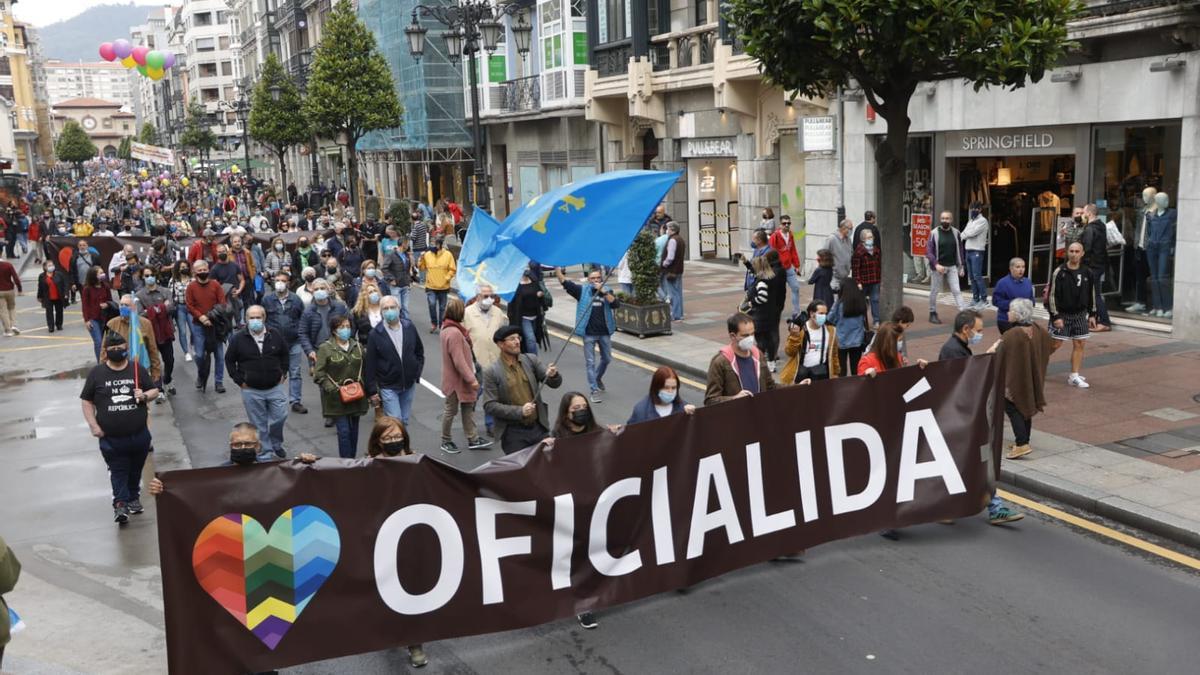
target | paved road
[{"x": 1038, "y": 596}]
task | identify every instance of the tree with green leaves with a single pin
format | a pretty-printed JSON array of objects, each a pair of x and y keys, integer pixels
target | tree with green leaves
[
  {"x": 148, "y": 134},
  {"x": 73, "y": 144},
  {"x": 888, "y": 47},
  {"x": 350, "y": 91},
  {"x": 124, "y": 150},
  {"x": 643, "y": 265},
  {"x": 197, "y": 135},
  {"x": 276, "y": 118}
]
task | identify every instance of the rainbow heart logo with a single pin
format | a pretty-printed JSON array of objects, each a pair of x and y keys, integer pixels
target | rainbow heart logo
[{"x": 265, "y": 578}]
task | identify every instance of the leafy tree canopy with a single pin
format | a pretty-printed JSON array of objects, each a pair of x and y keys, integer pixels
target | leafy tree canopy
[
  {"x": 279, "y": 124},
  {"x": 196, "y": 133},
  {"x": 125, "y": 150},
  {"x": 148, "y": 135},
  {"x": 74, "y": 145}
]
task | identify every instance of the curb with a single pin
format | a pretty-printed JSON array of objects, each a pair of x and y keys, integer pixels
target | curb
[{"x": 1097, "y": 502}]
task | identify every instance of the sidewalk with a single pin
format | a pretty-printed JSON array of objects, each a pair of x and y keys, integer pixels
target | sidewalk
[{"x": 1126, "y": 449}]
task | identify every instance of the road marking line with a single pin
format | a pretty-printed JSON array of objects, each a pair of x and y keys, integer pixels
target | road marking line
[
  {"x": 1155, "y": 549},
  {"x": 432, "y": 388},
  {"x": 631, "y": 360},
  {"x": 53, "y": 346},
  {"x": 51, "y": 337}
]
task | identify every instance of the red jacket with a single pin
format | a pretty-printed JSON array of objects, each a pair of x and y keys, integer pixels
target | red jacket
[
  {"x": 458, "y": 364},
  {"x": 198, "y": 251},
  {"x": 201, "y": 298},
  {"x": 865, "y": 265},
  {"x": 788, "y": 256}
]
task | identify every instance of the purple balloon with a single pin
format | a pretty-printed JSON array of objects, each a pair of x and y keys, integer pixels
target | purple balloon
[
  {"x": 122, "y": 48},
  {"x": 168, "y": 60},
  {"x": 136, "y": 193},
  {"x": 139, "y": 204},
  {"x": 116, "y": 174}
]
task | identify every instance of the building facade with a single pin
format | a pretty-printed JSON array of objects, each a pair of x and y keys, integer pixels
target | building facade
[
  {"x": 103, "y": 121},
  {"x": 205, "y": 28},
  {"x": 672, "y": 90},
  {"x": 1119, "y": 115},
  {"x": 17, "y": 86},
  {"x": 103, "y": 80}
]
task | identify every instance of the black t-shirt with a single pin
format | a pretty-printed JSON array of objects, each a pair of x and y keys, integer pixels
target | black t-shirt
[
  {"x": 225, "y": 273},
  {"x": 111, "y": 391}
]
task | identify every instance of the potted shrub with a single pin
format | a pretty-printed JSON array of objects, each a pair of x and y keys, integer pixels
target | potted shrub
[{"x": 643, "y": 314}]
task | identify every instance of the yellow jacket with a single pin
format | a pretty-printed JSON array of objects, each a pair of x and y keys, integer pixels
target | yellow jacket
[
  {"x": 439, "y": 269},
  {"x": 797, "y": 344}
]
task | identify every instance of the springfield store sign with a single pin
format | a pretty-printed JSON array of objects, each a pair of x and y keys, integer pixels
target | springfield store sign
[{"x": 1046, "y": 140}]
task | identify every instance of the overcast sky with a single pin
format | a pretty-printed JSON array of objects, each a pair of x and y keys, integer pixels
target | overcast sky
[{"x": 45, "y": 12}]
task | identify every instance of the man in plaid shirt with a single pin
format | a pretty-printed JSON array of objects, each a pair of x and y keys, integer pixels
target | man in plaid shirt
[{"x": 865, "y": 268}]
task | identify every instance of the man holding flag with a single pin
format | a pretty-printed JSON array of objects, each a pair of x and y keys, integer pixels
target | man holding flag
[
  {"x": 139, "y": 335},
  {"x": 114, "y": 406}
]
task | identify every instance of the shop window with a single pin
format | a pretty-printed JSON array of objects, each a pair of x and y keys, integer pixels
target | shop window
[
  {"x": 917, "y": 200},
  {"x": 1127, "y": 161}
]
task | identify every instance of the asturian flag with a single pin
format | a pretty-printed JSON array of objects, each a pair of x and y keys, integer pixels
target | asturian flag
[{"x": 500, "y": 268}]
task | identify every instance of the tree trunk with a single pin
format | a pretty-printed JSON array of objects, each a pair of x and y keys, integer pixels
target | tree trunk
[
  {"x": 352, "y": 172},
  {"x": 890, "y": 158},
  {"x": 281, "y": 154}
]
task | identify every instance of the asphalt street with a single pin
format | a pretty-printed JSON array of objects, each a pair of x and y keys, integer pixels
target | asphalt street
[{"x": 1035, "y": 596}]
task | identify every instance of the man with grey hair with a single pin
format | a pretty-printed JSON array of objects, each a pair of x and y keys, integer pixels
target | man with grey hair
[
  {"x": 257, "y": 362},
  {"x": 1025, "y": 351},
  {"x": 842, "y": 248}
]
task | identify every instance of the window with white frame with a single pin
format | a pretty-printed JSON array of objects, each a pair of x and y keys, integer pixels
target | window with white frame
[{"x": 614, "y": 19}]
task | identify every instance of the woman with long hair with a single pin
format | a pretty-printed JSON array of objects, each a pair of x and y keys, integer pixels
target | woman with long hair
[
  {"x": 767, "y": 296},
  {"x": 340, "y": 361},
  {"x": 367, "y": 311},
  {"x": 179, "y": 280},
  {"x": 664, "y": 398},
  {"x": 97, "y": 306},
  {"x": 459, "y": 383},
  {"x": 849, "y": 314},
  {"x": 884, "y": 354}
]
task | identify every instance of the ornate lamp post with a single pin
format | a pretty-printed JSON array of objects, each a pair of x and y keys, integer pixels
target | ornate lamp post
[
  {"x": 473, "y": 25},
  {"x": 241, "y": 109}
]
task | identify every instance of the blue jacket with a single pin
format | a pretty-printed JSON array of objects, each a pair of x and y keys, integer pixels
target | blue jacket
[
  {"x": 384, "y": 368},
  {"x": 310, "y": 324},
  {"x": 1007, "y": 290},
  {"x": 583, "y": 293},
  {"x": 284, "y": 316},
  {"x": 644, "y": 410},
  {"x": 851, "y": 330},
  {"x": 1161, "y": 228}
]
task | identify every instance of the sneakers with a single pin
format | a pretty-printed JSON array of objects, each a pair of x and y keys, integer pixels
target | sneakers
[
  {"x": 771, "y": 365},
  {"x": 1019, "y": 451},
  {"x": 934, "y": 318},
  {"x": 170, "y": 389},
  {"x": 478, "y": 443},
  {"x": 1003, "y": 515},
  {"x": 265, "y": 456},
  {"x": 1076, "y": 380},
  {"x": 328, "y": 422},
  {"x": 16, "y": 331},
  {"x": 297, "y": 407},
  {"x": 187, "y": 357},
  {"x": 1135, "y": 307},
  {"x": 120, "y": 513},
  {"x": 219, "y": 388},
  {"x": 596, "y": 396},
  {"x": 600, "y": 384},
  {"x": 416, "y": 656},
  {"x": 450, "y": 448},
  {"x": 135, "y": 507},
  {"x": 587, "y": 620},
  {"x": 281, "y": 453}
]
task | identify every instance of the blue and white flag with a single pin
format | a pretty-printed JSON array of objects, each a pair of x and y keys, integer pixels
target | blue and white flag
[{"x": 501, "y": 268}]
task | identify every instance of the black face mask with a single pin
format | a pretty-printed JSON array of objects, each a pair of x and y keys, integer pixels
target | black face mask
[
  {"x": 392, "y": 448},
  {"x": 223, "y": 256},
  {"x": 243, "y": 456},
  {"x": 581, "y": 417},
  {"x": 117, "y": 355},
  {"x": 202, "y": 276}
]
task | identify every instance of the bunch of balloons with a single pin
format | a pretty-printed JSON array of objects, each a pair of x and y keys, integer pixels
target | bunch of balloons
[{"x": 149, "y": 62}]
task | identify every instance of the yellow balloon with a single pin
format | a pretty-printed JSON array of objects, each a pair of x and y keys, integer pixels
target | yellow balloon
[
  {"x": 165, "y": 182},
  {"x": 154, "y": 73},
  {"x": 143, "y": 173},
  {"x": 185, "y": 181},
  {"x": 128, "y": 62},
  {"x": 234, "y": 169}
]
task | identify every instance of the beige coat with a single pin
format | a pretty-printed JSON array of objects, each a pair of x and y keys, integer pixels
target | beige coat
[{"x": 482, "y": 327}]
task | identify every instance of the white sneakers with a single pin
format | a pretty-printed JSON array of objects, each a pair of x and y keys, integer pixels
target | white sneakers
[
  {"x": 1076, "y": 380},
  {"x": 187, "y": 356},
  {"x": 771, "y": 365}
]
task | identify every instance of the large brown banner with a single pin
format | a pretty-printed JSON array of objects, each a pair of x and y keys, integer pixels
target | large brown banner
[{"x": 275, "y": 565}]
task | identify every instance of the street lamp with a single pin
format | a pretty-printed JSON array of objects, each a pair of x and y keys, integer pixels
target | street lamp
[
  {"x": 473, "y": 25},
  {"x": 241, "y": 109}
]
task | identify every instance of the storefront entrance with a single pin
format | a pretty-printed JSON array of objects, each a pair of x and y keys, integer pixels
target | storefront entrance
[{"x": 712, "y": 205}]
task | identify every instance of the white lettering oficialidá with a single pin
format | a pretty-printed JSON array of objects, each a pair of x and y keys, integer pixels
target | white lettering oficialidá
[
  {"x": 808, "y": 482},
  {"x": 387, "y": 544},
  {"x": 598, "y": 553},
  {"x": 712, "y": 471},
  {"x": 491, "y": 549},
  {"x": 564, "y": 541},
  {"x": 760, "y": 521},
  {"x": 660, "y": 514},
  {"x": 942, "y": 465},
  {"x": 835, "y": 438}
]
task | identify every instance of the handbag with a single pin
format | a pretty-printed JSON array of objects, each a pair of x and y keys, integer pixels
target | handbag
[{"x": 351, "y": 390}]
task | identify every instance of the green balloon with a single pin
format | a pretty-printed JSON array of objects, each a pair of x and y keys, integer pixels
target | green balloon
[
  {"x": 155, "y": 59},
  {"x": 141, "y": 69}
]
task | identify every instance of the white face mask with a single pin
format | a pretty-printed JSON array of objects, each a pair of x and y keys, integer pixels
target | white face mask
[
  {"x": 280, "y": 287},
  {"x": 486, "y": 303},
  {"x": 746, "y": 343}
]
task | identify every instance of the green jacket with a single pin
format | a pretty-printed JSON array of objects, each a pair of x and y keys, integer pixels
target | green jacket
[
  {"x": 334, "y": 367},
  {"x": 10, "y": 569}
]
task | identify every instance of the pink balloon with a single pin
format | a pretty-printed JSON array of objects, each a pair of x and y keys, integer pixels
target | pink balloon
[
  {"x": 122, "y": 48},
  {"x": 168, "y": 60},
  {"x": 107, "y": 52},
  {"x": 139, "y": 54}
]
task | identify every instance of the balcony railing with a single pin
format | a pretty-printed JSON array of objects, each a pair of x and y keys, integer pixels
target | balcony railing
[
  {"x": 521, "y": 95},
  {"x": 613, "y": 58}
]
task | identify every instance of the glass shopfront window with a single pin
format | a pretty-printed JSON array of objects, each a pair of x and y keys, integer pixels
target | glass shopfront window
[
  {"x": 918, "y": 200},
  {"x": 1129, "y": 162}
]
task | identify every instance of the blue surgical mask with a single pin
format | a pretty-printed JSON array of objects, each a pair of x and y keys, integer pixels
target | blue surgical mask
[
  {"x": 256, "y": 325},
  {"x": 666, "y": 396},
  {"x": 374, "y": 298},
  {"x": 976, "y": 338},
  {"x": 344, "y": 332},
  {"x": 820, "y": 319},
  {"x": 321, "y": 295},
  {"x": 391, "y": 315},
  {"x": 150, "y": 281},
  {"x": 126, "y": 312},
  {"x": 870, "y": 243},
  {"x": 372, "y": 272}
]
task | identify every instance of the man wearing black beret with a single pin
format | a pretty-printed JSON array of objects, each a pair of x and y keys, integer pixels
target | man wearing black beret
[{"x": 512, "y": 393}]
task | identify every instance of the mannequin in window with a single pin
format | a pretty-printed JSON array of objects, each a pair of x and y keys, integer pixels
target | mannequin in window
[
  {"x": 1160, "y": 247},
  {"x": 1141, "y": 265}
]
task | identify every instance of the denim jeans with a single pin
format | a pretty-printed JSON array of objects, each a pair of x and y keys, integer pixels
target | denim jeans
[
  {"x": 872, "y": 293},
  {"x": 397, "y": 402},
  {"x": 529, "y": 344},
  {"x": 674, "y": 291},
  {"x": 1159, "y": 258},
  {"x": 1098, "y": 288},
  {"x": 595, "y": 372},
  {"x": 202, "y": 358},
  {"x": 347, "y": 435},
  {"x": 183, "y": 326},
  {"x": 401, "y": 295},
  {"x": 125, "y": 457},
  {"x": 793, "y": 283},
  {"x": 975, "y": 269},
  {"x": 437, "y": 305},
  {"x": 96, "y": 330},
  {"x": 267, "y": 410},
  {"x": 296, "y": 359}
]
